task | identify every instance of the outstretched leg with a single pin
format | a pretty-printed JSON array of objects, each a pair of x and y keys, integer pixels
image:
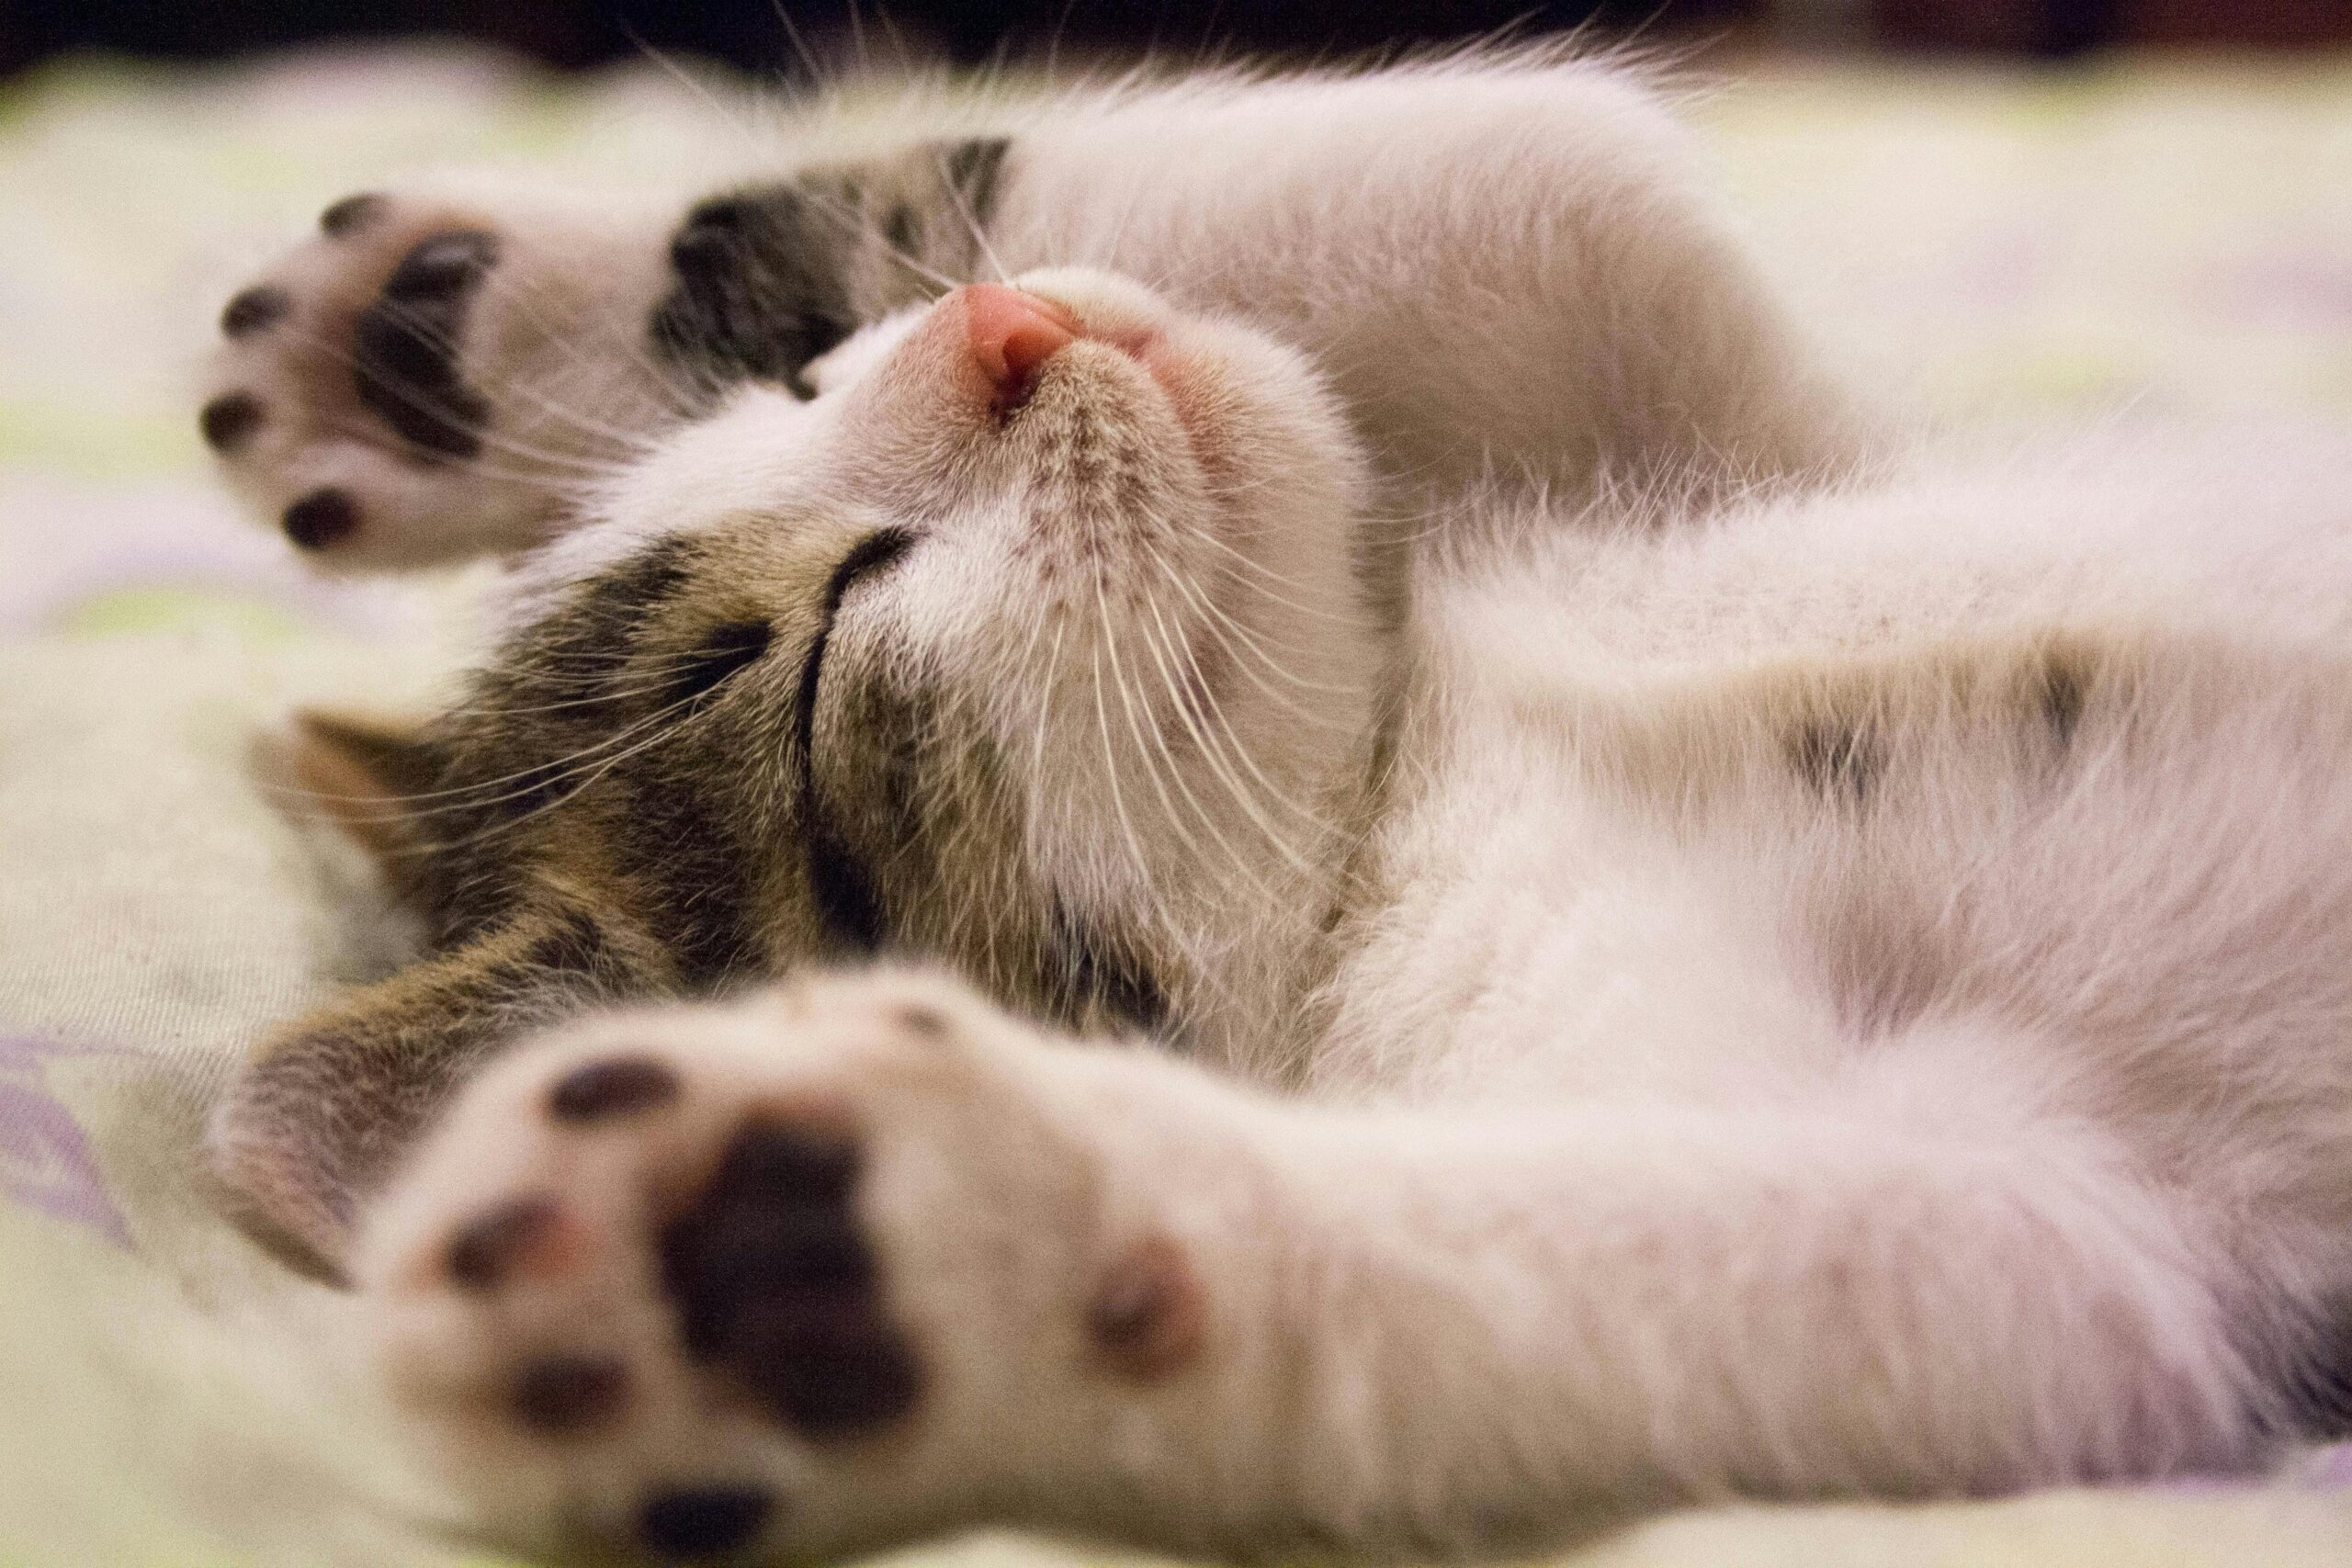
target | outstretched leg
[
  {"x": 1504, "y": 265},
  {"x": 867, "y": 1259},
  {"x": 443, "y": 373}
]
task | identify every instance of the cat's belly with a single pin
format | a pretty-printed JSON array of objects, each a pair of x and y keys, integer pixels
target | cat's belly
[{"x": 1714, "y": 878}]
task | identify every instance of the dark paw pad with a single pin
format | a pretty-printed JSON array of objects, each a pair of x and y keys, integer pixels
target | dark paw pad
[
  {"x": 774, "y": 1282},
  {"x": 349, "y": 215},
  {"x": 512, "y": 1237},
  {"x": 230, "y": 420},
  {"x": 322, "y": 518},
  {"x": 1147, "y": 1316},
  {"x": 564, "y": 1395},
  {"x": 255, "y": 310},
  {"x": 760, "y": 286},
  {"x": 702, "y": 1521},
  {"x": 620, "y": 1086},
  {"x": 404, "y": 346}
]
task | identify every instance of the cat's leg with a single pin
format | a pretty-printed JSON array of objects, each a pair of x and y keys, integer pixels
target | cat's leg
[
  {"x": 453, "y": 370},
  {"x": 866, "y": 1259},
  {"x": 1512, "y": 266}
]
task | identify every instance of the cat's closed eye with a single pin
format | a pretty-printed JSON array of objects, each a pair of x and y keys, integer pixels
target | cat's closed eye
[{"x": 724, "y": 651}]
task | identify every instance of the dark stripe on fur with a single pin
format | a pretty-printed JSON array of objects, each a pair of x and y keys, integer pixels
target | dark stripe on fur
[
  {"x": 404, "y": 346},
  {"x": 1094, "y": 971},
  {"x": 724, "y": 650},
  {"x": 1838, "y": 761},
  {"x": 697, "y": 879},
  {"x": 763, "y": 287},
  {"x": 843, "y": 894},
  {"x": 577, "y": 946},
  {"x": 667, "y": 838},
  {"x": 613, "y": 607},
  {"x": 2062, "y": 696},
  {"x": 973, "y": 167},
  {"x": 2310, "y": 1381}
]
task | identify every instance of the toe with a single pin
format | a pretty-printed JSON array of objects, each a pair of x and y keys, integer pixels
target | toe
[
  {"x": 702, "y": 1521},
  {"x": 525, "y": 1235},
  {"x": 255, "y": 310},
  {"x": 322, "y": 519},
  {"x": 615, "y": 1087},
  {"x": 229, "y": 421},
  {"x": 352, "y": 214}
]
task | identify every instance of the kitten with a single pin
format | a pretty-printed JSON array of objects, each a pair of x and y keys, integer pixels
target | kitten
[{"x": 1660, "y": 956}]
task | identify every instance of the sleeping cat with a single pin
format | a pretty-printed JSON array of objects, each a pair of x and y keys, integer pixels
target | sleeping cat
[{"x": 1335, "y": 863}]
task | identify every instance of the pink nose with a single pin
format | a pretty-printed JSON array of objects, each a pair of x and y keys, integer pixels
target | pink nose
[{"x": 1012, "y": 335}]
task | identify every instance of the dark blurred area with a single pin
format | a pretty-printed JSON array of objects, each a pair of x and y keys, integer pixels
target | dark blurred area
[{"x": 785, "y": 37}]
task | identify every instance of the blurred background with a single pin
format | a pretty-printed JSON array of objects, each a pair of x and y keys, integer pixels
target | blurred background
[{"x": 753, "y": 34}]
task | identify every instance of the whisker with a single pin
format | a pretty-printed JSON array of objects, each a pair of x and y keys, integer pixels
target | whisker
[
  {"x": 468, "y": 797},
  {"x": 1225, "y": 629},
  {"x": 971, "y": 219},
  {"x": 1215, "y": 752},
  {"x": 1111, "y": 772},
  {"x": 1212, "y": 753},
  {"x": 1152, "y": 772},
  {"x": 662, "y": 738}
]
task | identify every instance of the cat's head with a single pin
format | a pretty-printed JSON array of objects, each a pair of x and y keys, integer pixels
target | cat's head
[{"x": 1040, "y": 643}]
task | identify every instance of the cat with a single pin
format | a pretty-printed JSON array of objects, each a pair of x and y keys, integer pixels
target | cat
[{"x": 1235, "y": 815}]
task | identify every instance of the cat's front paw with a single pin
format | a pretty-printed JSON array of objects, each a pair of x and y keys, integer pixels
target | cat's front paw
[
  {"x": 436, "y": 376},
  {"x": 837, "y": 1266}
]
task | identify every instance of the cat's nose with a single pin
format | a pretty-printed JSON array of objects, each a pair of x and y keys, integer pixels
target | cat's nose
[{"x": 1014, "y": 333}]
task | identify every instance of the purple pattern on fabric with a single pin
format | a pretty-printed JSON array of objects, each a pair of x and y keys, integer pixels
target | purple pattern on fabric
[
  {"x": 45, "y": 1160},
  {"x": 97, "y": 540}
]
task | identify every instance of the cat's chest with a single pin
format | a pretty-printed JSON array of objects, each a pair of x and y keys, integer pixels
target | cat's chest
[
  {"x": 1534, "y": 929},
  {"x": 1649, "y": 876}
]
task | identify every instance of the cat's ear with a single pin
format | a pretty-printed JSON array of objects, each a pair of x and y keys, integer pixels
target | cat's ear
[
  {"x": 373, "y": 777},
  {"x": 314, "y": 1124}
]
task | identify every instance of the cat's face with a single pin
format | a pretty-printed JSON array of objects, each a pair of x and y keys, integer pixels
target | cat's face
[{"x": 1038, "y": 642}]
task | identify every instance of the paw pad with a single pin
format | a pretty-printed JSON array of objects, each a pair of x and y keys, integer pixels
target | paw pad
[
  {"x": 254, "y": 310},
  {"x": 350, "y": 215},
  {"x": 1146, "y": 1318},
  {"x": 404, "y": 346},
  {"x": 921, "y": 1021},
  {"x": 521, "y": 1235},
  {"x": 562, "y": 1394},
  {"x": 230, "y": 420},
  {"x": 703, "y": 1522},
  {"x": 621, "y": 1086},
  {"x": 775, "y": 1284},
  {"x": 322, "y": 518}
]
